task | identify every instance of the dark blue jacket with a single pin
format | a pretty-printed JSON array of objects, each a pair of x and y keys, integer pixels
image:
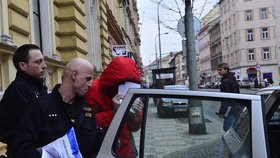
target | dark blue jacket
[
  {"x": 16, "y": 98},
  {"x": 49, "y": 118}
]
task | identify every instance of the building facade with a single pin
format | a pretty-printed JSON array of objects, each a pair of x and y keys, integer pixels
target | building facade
[
  {"x": 215, "y": 48},
  {"x": 277, "y": 22},
  {"x": 177, "y": 60},
  {"x": 173, "y": 59},
  {"x": 65, "y": 29},
  {"x": 204, "y": 36},
  {"x": 204, "y": 55},
  {"x": 249, "y": 38}
]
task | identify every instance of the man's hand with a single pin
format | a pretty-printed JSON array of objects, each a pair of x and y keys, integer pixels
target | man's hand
[
  {"x": 117, "y": 99},
  {"x": 137, "y": 105}
]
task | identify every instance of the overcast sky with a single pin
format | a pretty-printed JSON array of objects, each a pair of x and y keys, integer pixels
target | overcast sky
[{"x": 148, "y": 26}]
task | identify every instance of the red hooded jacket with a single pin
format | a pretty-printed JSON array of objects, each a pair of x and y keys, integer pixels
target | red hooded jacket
[{"x": 100, "y": 95}]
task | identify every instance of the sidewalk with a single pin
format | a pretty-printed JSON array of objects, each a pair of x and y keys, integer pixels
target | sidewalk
[
  {"x": 209, "y": 149},
  {"x": 170, "y": 138}
]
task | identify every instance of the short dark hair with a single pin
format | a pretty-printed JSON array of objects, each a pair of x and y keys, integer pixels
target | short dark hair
[
  {"x": 22, "y": 54},
  {"x": 224, "y": 66}
]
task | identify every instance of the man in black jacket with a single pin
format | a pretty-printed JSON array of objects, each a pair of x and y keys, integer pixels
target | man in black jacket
[
  {"x": 51, "y": 116},
  {"x": 229, "y": 85},
  {"x": 28, "y": 84}
]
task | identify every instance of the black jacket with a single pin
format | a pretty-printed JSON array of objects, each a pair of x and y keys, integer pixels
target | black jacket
[
  {"x": 229, "y": 83},
  {"x": 16, "y": 98},
  {"x": 49, "y": 118}
]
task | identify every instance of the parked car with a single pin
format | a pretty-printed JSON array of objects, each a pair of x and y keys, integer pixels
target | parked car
[
  {"x": 245, "y": 83},
  {"x": 255, "y": 133},
  {"x": 267, "y": 91},
  {"x": 173, "y": 107},
  {"x": 217, "y": 85},
  {"x": 210, "y": 85}
]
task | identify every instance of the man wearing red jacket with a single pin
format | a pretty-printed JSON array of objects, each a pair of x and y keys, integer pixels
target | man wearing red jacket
[{"x": 103, "y": 98}]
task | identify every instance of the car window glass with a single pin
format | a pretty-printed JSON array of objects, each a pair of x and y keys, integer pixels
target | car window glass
[
  {"x": 238, "y": 138},
  {"x": 127, "y": 141},
  {"x": 169, "y": 131},
  {"x": 274, "y": 131}
]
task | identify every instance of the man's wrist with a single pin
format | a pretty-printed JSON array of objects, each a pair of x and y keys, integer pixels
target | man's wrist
[{"x": 132, "y": 112}]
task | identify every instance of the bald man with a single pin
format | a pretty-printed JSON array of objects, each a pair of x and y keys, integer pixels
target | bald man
[{"x": 51, "y": 117}]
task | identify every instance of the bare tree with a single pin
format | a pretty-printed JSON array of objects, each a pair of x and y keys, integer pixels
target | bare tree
[{"x": 174, "y": 10}]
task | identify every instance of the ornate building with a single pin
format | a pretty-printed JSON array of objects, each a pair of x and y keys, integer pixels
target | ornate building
[{"x": 65, "y": 29}]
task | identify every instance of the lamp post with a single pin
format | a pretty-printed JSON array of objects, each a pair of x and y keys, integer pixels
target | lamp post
[
  {"x": 156, "y": 47},
  {"x": 160, "y": 65}
]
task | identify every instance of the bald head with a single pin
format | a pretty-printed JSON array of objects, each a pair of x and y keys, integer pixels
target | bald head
[
  {"x": 77, "y": 78},
  {"x": 77, "y": 64}
]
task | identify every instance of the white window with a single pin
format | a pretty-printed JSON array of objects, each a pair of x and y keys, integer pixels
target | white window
[
  {"x": 93, "y": 32},
  {"x": 263, "y": 13},
  {"x": 42, "y": 26},
  {"x": 265, "y": 33},
  {"x": 251, "y": 55},
  {"x": 249, "y": 15},
  {"x": 266, "y": 54},
  {"x": 250, "y": 35},
  {"x": 36, "y": 18}
]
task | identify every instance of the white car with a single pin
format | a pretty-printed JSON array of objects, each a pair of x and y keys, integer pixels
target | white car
[{"x": 255, "y": 133}]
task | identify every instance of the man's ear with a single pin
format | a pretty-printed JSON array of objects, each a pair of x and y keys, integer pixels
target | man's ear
[
  {"x": 74, "y": 74},
  {"x": 22, "y": 66}
]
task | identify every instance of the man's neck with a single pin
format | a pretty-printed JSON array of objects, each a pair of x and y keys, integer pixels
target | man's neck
[{"x": 66, "y": 96}]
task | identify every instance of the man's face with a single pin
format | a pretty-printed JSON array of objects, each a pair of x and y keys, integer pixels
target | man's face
[
  {"x": 36, "y": 65},
  {"x": 222, "y": 71},
  {"x": 83, "y": 82}
]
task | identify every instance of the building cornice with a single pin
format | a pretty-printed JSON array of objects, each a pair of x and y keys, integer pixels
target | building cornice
[{"x": 6, "y": 50}]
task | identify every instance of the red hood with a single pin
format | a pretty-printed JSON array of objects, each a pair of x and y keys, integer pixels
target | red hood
[{"x": 119, "y": 71}]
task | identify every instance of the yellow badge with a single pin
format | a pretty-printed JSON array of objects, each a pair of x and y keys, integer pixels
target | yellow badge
[
  {"x": 87, "y": 109},
  {"x": 73, "y": 120},
  {"x": 87, "y": 114}
]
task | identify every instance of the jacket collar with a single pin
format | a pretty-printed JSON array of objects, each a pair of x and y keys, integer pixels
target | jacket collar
[
  {"x": 78, "y": 101},
  {"x": 30, "y": 79}
]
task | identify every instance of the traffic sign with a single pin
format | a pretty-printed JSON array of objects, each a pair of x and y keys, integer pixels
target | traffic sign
[
  {"x": 119, "y": 50},
  {"x": 258, "y": 66},
  {"x": 181, "y": 26}
]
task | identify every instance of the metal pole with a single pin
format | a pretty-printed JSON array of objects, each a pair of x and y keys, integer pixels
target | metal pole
[
  {"x": 159, "y": 42},
  {"x": 156, "y": 48},
  {"x": 196, "y": 116},
  {"x": 191, "y": 60},
  {"x": 156, "y": 52}
]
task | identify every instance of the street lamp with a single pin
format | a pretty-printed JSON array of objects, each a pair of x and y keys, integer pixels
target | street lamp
[
  {"x": 159, "y": 34},
  {"x": 156, "y": 47}
]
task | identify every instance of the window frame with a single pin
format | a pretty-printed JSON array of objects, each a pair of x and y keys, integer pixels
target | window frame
[
  {"x": 266, "y": 54},
  {"x": 251, "y": 55},
  {"x": 37, "y": 23},
  {"x": 250, "y": 35},
  {"x": 264, "y": 33},
  {"x": 249, "y": 15},
  {"x": 263, "y": 15},
  {"x": 257, "y": 123}
]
